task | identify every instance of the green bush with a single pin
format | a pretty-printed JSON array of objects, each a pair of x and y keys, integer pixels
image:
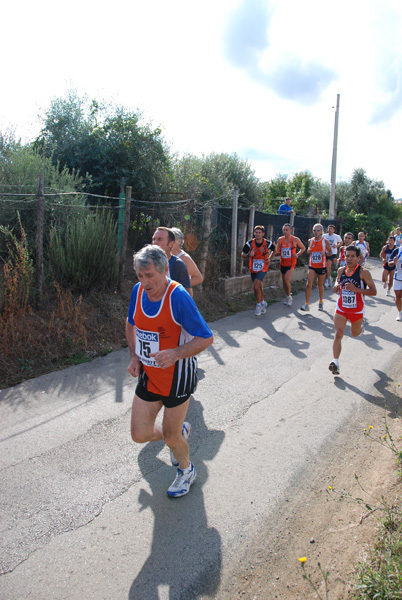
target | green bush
[
  {"x": 84, "y": 257},
  {"x": 376, "y": 227}
]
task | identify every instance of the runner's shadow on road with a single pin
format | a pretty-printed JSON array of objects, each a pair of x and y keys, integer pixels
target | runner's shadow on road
[
  {"x": 313, "y": 322},
  {"x": 386, "y": 398},
  {"x": 185, "y": 554},
  {"x": 379, "y": 333},
  {"x": 279, "y": 339}
]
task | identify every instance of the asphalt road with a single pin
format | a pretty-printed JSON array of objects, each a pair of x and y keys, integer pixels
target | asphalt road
[{"x": 84, "y": 511}]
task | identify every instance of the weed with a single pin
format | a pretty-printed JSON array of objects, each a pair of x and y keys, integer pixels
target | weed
[
  {"x": 380, "y": 575},
  {"x": 307, "y": 577}
]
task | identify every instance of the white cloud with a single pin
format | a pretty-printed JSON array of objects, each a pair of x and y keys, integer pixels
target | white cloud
[{"x": 258, "y": 78}]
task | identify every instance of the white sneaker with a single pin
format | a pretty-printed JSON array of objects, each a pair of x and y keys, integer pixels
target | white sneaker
[
  {"x": 182, "y": 483},
  {"x": 321, "y": 306},
  {"x": 258, "y": 310},
  {"x": 334, "y": 368},
  {"x": 305, "y": 307},
  {"x": 388, "y": 293},
  {"x": 399, "y": 317},
  {"x": 384, "y": 285},
  {"x": 288, "y": 301},
  {"x": 263, "y": 307},
  {"x": 186, "y": 431}
]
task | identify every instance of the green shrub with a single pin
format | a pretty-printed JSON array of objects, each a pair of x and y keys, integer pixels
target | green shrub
[
  {"x": 84, "y": 257},
  {"x": 376, "y": 227}
]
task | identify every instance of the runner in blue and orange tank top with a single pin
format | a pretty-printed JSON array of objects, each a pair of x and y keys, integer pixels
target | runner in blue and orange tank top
[
  {"x": 353, "y": 283},
  {"x": 286, "y": 247},
  {"x": 259, "y": 251},
  {"x": 165, "y": 332},
  {"x": 318, "y": 247}
]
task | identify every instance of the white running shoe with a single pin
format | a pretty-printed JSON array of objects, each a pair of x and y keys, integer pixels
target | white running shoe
[
  {"x": 399, "y": 317},
  {"x": 321, "y": 306},
  {"x": 384, "y": 285},
  {"x": 182, "y": 483},
  {"x": 305, "y": 307},
  {"x": 334, "y": 368},
  {"x": 326, "y": 284},
  {"x": 288, "y": 301},
  {"x": 263, "y": 307},
  {"x": 258, "y": 310},
  {"x": 388, "y": 293},
  {"x": 186, "y": 431}
]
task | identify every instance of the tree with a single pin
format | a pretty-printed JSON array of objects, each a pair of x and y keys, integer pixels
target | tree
[
  {"x": 277, "y": 187},
  {"x": 300, "y": 185},
  {"x": 300, "y": 188},
  {"x": 109, "y": 143},
  {"x": 214, "y": 176}
]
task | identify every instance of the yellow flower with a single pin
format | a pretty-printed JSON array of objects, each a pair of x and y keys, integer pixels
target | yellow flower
[
  {"x": 370, "y": 427},
  {"x": 330, "y": 487},
  {"x": 364, "y": 429},
  {"x": 384, "y": 436},
  {"x": 303, "y": 559}
]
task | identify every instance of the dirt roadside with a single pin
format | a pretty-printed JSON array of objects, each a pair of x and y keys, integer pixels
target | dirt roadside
[{"x": 317, "y": 525}]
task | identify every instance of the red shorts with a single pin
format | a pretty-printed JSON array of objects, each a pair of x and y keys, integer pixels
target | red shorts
[{"x": 351, "y": 316}]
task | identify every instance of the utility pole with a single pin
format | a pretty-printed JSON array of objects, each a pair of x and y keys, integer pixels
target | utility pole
[
  {"x": 233, "y": 251},
  {"x": 332, "y": 203}
]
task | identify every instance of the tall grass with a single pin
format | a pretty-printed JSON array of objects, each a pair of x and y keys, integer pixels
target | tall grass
[
  {"x": 84, "y": 256},
  {"x": 17, "y": 273}
]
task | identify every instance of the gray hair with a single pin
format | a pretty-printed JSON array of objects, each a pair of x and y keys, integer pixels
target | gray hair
[
  {"x": 318, "y": 225},
  {"x": 150, "y": 254},
  {"x": 178, "y": 234}
]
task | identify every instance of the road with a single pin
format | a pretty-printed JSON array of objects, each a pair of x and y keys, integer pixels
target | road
[{"x": 84, "y": 509}]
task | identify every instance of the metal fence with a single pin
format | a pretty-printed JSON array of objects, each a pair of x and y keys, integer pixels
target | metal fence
[{"x": 207, "y": 226}]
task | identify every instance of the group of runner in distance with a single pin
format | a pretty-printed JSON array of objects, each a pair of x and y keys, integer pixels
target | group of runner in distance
[{"x": 353, "y": 281}]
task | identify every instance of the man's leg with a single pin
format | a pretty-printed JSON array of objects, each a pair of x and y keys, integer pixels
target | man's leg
[
  {"x": 398, "y": 303},
  {"x": 320, "y": 285},
  {"x": 172, "y": 427},
  {"x": 286, "y": 279},
  {"x": 339, "y": 324},
  {"x": 143, "y": 417},
  {"x": 390, "y": 280},
  {"x": 258, "y": 290},
  {"x": 329, "y": 271},
  {"x": 356, "y": 327},
  {"x": 310, "y": 279}
]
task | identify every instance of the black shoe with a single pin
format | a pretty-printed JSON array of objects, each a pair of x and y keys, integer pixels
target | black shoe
[{"x": 333, "y": 367}]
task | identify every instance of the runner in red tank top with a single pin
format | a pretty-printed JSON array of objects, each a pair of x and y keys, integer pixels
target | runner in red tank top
[
  {"x": 287, "y": 246},
  {"x": 353, "y": 283},
  {"x": 317, "y": 248}
]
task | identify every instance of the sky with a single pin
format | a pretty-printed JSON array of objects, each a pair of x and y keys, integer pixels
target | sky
[{"x": 256, "y": 77}]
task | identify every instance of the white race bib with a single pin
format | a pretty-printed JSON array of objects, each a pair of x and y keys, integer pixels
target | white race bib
[
  {"x": 258, "y": 264},
  {"x": 146, "y": 343},
  {"x": 316, "y": 257},
  {"x": 348, "y": 299},
  {"x": 286, "y": 252}
]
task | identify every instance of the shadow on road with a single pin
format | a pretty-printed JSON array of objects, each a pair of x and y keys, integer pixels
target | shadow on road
[
  {"x": 185, "y": 556},
  {"x": 390, "y": 401}
]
